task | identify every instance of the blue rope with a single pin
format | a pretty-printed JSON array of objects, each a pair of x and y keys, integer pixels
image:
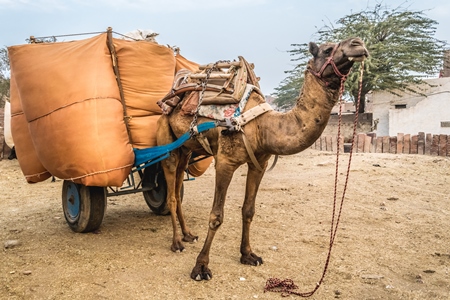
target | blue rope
[{"x": 148, "y": 156}]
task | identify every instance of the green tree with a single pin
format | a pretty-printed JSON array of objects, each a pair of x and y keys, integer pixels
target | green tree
[
  {"x": 288, "y": 90},
  {"x": 402, "y": 50},
  {"x": 4, "y": 75}
]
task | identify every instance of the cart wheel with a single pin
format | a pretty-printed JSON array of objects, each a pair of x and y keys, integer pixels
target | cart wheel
[
  {"x": 156, "y": 197},
  {"x": 83, "y": 206}
]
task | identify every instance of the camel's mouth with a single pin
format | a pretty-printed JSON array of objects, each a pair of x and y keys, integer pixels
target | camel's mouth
[{"x": 357, "y": 58}]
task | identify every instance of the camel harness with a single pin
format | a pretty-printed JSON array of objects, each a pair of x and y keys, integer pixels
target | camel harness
[{"x": 220, "y": 95}]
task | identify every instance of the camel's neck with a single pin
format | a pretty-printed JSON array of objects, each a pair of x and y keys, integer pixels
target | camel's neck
[{"x": 296, "y": 130}]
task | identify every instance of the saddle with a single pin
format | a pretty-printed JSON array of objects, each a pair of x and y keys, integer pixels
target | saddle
[
  {"x": 221, "y": 83},
  {"x": 218, "y": 91}
]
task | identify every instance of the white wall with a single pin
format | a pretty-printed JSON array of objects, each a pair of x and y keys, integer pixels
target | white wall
[
  {"x": 422, "y": 114},
  {"x": 425, "y": 116}
]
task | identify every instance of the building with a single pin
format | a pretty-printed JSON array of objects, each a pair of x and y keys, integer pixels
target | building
[
  {"x": 412, "y": 113},
  {"x": 428, "y": 110}
]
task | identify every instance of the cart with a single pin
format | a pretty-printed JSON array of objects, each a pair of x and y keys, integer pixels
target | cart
[{"x": 84, "y": 206}]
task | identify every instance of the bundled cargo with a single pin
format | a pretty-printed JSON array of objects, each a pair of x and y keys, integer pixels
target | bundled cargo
[
  {"x": 80, "y": 107},
  {"x": 29, "y": 162},
  {"x": 72, "y": 108}
]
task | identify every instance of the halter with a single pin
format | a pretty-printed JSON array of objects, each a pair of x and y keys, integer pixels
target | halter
[{"x": 330, "y": 61}]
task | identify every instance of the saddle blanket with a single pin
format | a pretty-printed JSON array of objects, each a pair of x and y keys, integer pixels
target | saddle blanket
[{"x": 225, "y": 111}]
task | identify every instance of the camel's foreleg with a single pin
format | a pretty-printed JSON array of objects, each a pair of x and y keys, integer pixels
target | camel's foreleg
[
  {"x": 174, "y": 167},
  {"x": 224, "y": 174},
  {"x": 254, "y": 178},
  {"x": 187, "y": 235},
  {"x": 170, "y": 166}
]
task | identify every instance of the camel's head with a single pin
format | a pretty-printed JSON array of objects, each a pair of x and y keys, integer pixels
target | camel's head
[{"x": 331, "y": 61}]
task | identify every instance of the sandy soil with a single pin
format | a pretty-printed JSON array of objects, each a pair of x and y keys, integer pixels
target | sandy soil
[{"x": 393, "y": 241}]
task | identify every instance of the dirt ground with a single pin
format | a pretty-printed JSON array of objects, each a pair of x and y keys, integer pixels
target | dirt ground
[{"x": 393, "y": 241}]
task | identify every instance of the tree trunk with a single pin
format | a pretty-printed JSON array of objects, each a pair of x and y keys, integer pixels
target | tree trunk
[{"x": 362, "y": 102}]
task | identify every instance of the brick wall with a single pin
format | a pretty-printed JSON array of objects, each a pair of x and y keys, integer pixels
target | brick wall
[
  {"x": 364, "y": 124},
  {"x": 422, "y": 144}
]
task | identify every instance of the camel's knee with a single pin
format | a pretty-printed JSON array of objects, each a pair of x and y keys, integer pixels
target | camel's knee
[
  {"x": 247, "y": 215},
  {"x": 172, "y": 203},
  {"x": 171, "y": 162},
  {"x": 215, "y": 221}
]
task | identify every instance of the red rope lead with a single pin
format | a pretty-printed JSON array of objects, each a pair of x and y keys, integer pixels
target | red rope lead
[{"x": 287, "y": 287}]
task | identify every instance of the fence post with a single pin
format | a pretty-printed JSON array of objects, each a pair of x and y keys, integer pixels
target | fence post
[
  {"x": 428, "y": 142},
  {"x": 448, "y": 145},
  {"x": 435, "y": 145},
  {"x": 323, "y": 145},
  {"x": 379, "y": 148},
  {"x": 406, "y": 143},
  {"x": 421, "y": 143},
  {"x": 367, "y": 144},
  {"x": 393, "y": 144},
  {"x": 360, "y": 145},
  {"x": 386, "y": 144},
  {"x": 442, "y": 145},
  {"x": 399, "y": 142},
  {"x": 414, "y": 144}
]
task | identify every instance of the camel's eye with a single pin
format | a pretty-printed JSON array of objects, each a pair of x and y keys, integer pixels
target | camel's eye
[{"x": 328, "y": 50}]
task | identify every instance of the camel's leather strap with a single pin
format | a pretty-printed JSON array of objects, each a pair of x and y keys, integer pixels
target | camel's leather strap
[
  {"x": 252, "y": 113},
  {"x": 250, "y": 152},
  {"x": 204, "y": 142},
  {"x": 244, "y": 119}
]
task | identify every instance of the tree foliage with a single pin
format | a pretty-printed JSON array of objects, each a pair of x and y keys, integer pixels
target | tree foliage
[
  {"x": 288, "y": 90},
  {"x": 402, "y": 50},
  {"x": 4, "y": 78}
]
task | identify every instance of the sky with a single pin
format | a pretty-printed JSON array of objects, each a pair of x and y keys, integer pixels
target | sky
[{"x": 262, "y": 31}]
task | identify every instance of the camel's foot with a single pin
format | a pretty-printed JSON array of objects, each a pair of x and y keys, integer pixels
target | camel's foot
[
  {"x": 201, "y": 272},
  {"x": 251, "y": 259},
  {"x": 190, "y": 238},
  {"x": 177, "y": 246}
]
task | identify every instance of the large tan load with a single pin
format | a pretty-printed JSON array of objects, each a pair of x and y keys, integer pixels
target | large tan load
[
  {"x": 71, "y": 102},
  {"x": 29, "y": 162},
  {"x": 69, "y": 118},
  {"x": 146, "y": 73}
]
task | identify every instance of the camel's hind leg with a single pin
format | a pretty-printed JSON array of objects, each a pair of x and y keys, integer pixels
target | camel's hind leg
[{"x": 254, "y": 177}]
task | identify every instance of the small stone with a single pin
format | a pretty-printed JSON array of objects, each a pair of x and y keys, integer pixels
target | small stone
[
  {"x": 372, "y": 276},
  {"x": 11, "y": 243},
  {"x": 273, "y": 248},
  {"x": 242, "y": 279},
  {"x": 26, "y": 272}
]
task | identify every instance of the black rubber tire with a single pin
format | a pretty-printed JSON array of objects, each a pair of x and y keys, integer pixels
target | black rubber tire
[
  {"x": 84, "y": 206},
  {"x": 156, "y": 198}
]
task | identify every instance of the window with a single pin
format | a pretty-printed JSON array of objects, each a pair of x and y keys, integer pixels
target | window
[{"x": 400, "y": 106}]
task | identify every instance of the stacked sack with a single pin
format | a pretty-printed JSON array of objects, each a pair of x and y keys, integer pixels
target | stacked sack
[{"x": 67, "y": 115}]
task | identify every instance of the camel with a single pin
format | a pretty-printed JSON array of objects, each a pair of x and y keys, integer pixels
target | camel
[{"x": 272, "y": 133}]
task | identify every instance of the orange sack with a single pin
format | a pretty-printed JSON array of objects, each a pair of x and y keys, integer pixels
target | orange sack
[
  {"x": 146, "y": 74},
  {"x": 31, "y": 166},
  {"x": 71, "y": 103}
]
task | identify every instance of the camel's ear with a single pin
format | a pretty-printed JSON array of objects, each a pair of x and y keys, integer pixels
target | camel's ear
[{"x": 313, "y": 48}]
